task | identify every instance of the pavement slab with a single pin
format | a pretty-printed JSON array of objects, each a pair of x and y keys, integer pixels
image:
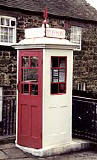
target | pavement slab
[
  {"x": 10, "y": 152},
  {"x": 7, "y": 146},
  {"x": 14, "y": 153},
  {"x": 3, "y": 156}
]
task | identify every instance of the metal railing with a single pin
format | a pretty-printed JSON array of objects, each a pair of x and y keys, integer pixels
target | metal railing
[
  {"x": 8, "y": 123},
  {"x": 84, "y": 118}
]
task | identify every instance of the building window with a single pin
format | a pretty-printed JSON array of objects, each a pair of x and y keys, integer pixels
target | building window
[
  {"x": 7, "y": 30},
  {"x": 58, "y": 75},
  {"x": 82, "y": 86},
  {"x": 75, "y": 36}
]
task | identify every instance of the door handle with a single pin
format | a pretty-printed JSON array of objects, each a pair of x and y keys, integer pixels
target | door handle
[{"x": 18, "y": 86}]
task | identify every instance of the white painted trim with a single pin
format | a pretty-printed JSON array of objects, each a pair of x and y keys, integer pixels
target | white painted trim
[
  {"x": 6, "y": 43},
  {"x": 43, "y": 108},
  {"x": 17, "y": 97},
  {"x": 46, "y": 46}
]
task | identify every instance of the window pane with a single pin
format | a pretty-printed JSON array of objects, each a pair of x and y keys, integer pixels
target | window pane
[
  {"x": 54, "y": 61},
  {"x": 10, "y": 39},
  {"x": 4, "y": 34},
  {"x": 61, "y": 75},
  {"x": 30, "y": 75},
  {"x": 7, "y": 22},
  {"x": 25, "y": 88},
  {"x": 54, "y": 88},
  {"x": 2, "y": 21},
  {"x": 62, "y": 62},
  {"x": 10, "y": 31},
  {"x": 34, "y": 89},
  {"x": 13, "y": 23},
  {"x": 34, "y": 61},
  {"x": 61, "y": 88},
  {"x": 54, "y": 75},
  {"x": 25, "y": 61}
]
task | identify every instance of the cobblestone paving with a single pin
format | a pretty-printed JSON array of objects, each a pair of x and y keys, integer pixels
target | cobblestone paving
[{"x": 10, "y": 152}]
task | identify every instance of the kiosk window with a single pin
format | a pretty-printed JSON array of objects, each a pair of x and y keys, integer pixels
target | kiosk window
[
  {"x": 29, "y": 75},
  {"x": 58, "y": 74}
]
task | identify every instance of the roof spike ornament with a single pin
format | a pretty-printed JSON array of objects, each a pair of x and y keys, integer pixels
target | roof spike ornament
[{"x": 45, "y": 15}]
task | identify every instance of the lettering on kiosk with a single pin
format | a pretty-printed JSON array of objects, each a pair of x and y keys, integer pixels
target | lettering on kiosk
[
  {"x": 55, "y": 33},
  {"x": 40, "y": 32}
]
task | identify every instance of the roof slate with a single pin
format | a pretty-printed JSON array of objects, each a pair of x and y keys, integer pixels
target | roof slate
[{"x": 79, "y": 9}]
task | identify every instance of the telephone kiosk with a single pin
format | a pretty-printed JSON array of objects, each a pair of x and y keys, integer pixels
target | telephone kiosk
[{"x": 44, "y": 95}]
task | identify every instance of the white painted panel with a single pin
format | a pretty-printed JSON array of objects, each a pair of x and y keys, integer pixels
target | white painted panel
[
  {"x": 40, "y": 32},
  {"x": 57, "y": 109}
]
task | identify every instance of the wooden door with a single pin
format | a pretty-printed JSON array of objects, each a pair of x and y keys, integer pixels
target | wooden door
[{"x": 30, "y": 98}]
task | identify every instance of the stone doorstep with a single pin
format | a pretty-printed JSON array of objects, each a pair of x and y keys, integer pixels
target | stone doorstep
[{"x": 7, "y": 139}]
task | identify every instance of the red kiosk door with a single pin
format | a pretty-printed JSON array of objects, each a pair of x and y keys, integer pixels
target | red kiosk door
[{"x": 30, "y": 98}]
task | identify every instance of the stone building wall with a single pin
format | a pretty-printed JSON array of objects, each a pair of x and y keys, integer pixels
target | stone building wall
[
  {"x": 84, "y": 60},
  {"x": 85, "y": 67},
  {"x": 8, "y": 60}
]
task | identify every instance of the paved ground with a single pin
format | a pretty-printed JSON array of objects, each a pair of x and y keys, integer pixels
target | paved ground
[{"x": 10, "y": 152}]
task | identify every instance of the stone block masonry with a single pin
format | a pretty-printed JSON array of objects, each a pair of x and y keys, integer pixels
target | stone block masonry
[
  {"x": 8, "y": 70},
  {"x": 85, "y": 61}
]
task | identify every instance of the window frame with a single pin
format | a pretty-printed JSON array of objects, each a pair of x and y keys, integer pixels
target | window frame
[
  {"x": 65, "y": 74},
  {"x": 29, "y": 82},
  {"x": 9, "y": 27},
  {"x": 76, "y": 31}
]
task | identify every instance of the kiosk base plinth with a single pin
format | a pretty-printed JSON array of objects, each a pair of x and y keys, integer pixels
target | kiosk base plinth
[{"x": 52, "y": 150}]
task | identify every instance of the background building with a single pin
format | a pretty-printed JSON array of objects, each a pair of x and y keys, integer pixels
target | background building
[{"x": 79, "y": 20}]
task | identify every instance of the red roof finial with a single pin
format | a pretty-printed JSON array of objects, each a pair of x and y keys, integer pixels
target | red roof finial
[{"x": 45, "y": 15}]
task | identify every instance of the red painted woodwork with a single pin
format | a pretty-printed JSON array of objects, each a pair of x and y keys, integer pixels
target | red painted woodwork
[{"x": 30, "y": 98}]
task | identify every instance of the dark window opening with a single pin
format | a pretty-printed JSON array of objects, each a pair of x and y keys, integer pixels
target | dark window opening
[
  {"x": 34, "y": 89},
  {"x": 58, "y": 74},
  {"x": 25, "y": 88}
]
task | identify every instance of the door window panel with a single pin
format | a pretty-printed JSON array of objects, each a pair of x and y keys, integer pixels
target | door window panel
[
  {"x": 25, "y": 88},
  {"x": 25, "y": 61},
  {"x": 29, "y": 75},
  {"x": 34, "y": 61},
  {"x": 34, "y": 89}
]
